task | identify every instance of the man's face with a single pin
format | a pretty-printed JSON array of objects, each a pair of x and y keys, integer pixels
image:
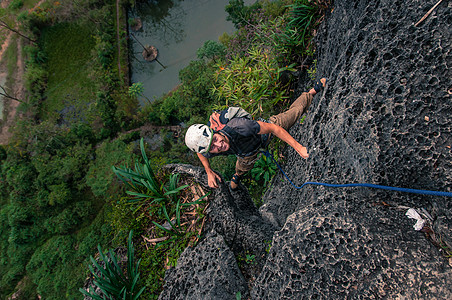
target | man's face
[{"x": 220, "y": 143}]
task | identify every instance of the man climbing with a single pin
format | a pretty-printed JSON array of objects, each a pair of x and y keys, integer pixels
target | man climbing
[{"x": 244, "y": 137}]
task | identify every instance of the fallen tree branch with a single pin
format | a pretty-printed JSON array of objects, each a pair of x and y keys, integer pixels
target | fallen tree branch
[
  {"x": 154, "y": 241},
  {"x": 6, "y": 95}
]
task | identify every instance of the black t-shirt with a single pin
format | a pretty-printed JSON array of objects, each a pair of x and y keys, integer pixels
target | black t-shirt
[{"x": 244, "y": 137}]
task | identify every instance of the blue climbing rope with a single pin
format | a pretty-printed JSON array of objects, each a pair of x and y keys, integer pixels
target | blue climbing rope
[{"x": 376, "y": 186}]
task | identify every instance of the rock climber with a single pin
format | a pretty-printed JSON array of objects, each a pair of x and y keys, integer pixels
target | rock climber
[{"x": 244, "y": 137}]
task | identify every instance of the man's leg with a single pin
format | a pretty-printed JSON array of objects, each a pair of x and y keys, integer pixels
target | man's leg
[
  {"x": 244, "y": 164},
  {"x": 288, "y": 118}
]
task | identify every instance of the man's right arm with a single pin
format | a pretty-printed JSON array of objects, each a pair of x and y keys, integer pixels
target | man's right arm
[{"x": 211, "y": 175}]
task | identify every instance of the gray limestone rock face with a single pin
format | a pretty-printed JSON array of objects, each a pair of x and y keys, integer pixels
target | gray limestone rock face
[
  {"x": 383, "y": 118},
  {"x": 332, "y": 249},
  {"x": 233, "y": 215},
  {"x": 208, "y": 271}
]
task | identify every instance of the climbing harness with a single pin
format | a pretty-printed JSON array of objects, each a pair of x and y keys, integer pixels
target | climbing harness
[{"x": 376, "y": 186}]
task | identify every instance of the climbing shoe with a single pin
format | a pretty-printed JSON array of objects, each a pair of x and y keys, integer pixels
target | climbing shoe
[
  {"x": 236, "y": 180},
  {"x": 320, "y": 84}
]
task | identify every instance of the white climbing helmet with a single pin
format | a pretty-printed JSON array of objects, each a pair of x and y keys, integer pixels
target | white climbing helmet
[{"x": 198, "y": 138}]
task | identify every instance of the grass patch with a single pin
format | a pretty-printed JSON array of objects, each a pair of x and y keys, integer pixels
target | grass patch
[
  {"x": 70, "y": 87},
  {"x": 10, "y": 62},
  {"x": 28, "y": 4},
  {"x": 11, "y": 57},
  {"x": 3, "y": 36}
]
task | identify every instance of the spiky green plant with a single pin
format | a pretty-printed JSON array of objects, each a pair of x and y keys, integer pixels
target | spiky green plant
[
  {"x": 143, "y": 183},
  {"x": 303, "y": 15},
  {"x": 176, "y": 224},
  {"x": 112, "y": 281},
  {"x": 291, "y": 33}
]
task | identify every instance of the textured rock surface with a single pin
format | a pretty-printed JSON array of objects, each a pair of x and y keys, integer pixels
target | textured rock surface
[
  {"x": 208, "y": 271},
  {"x": 234, "y": 215},
  {"x": 384, "y": 118}
]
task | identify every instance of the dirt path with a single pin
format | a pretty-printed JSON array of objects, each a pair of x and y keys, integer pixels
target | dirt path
[
  {"x": 10, "y": 106},
  {"x": 9, "y": 34},
  {"x": 5, "y": 43}
]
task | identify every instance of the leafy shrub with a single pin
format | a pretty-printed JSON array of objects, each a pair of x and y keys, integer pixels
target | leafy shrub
[
  {"x": 155, "y": 201},
  {"x": 36, "y": 81},
  {"x": 251, "y": 82},
  {"x": 16, "y": 4},
  {"x": 104, "y": 51},
  {"x": 191, "y": 100},
  {"x": 264, "y": 169},
  {"x": 141, "y": 182},
  {"x": 13, "y": 275},
  {"x": 284, "y": 30},
  {"x": 143, "y": 185},
  {"x": 249, "y": 36},
  {"x": 211, "y": 50},
  {"x": 53, "y": 267},
  {"x": 70, "y": 218},
  {"x": 238, "y": 13},
  {"x": 299, "y": 24},
  {"x": 257, "y": 31},
  {"x": 82, "y": 132},
  {"x": 20, "y": 175},
  {"x": 106, "y": 106},
  {"x": 99, "y": 176},
  {"x": 3, "y": 154},
  {"x": 136, "y": 89},
  {"x": 35, "y": 55},
  {"x": 59, "y": 194}
]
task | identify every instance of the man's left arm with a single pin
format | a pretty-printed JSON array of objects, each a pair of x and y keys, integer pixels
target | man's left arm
[{"x": 282, "y": 134}]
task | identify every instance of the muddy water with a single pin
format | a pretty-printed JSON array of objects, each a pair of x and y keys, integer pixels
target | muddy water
[{"x": 177, "y": 29}]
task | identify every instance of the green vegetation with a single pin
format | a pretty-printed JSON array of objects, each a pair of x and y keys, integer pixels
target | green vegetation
[
  {"x": 142, "y": 182},
  {"x": 11, "y": 58},
  {"x": 60, "y": 197},
  {"x": 264, "y": 169},
  {"x": 191, "y": 103},
  {"x": 16, "y": 4},
  {"x": 68, "y": 48},
  {"x": 162, "y": 207},
  {"x": 164, "y": 201},
  {"x": 48, "y": 206},
  {"x": 251, "y": 82},
  {"x": 240, "y": 14},
  {"x": 249, "y": 259},
  {"x": 136, "y": 89},
  {"x": 245, "y": 259},
  {"x": 113, "y": 282},
  {"x": 211, "y": 50}
]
